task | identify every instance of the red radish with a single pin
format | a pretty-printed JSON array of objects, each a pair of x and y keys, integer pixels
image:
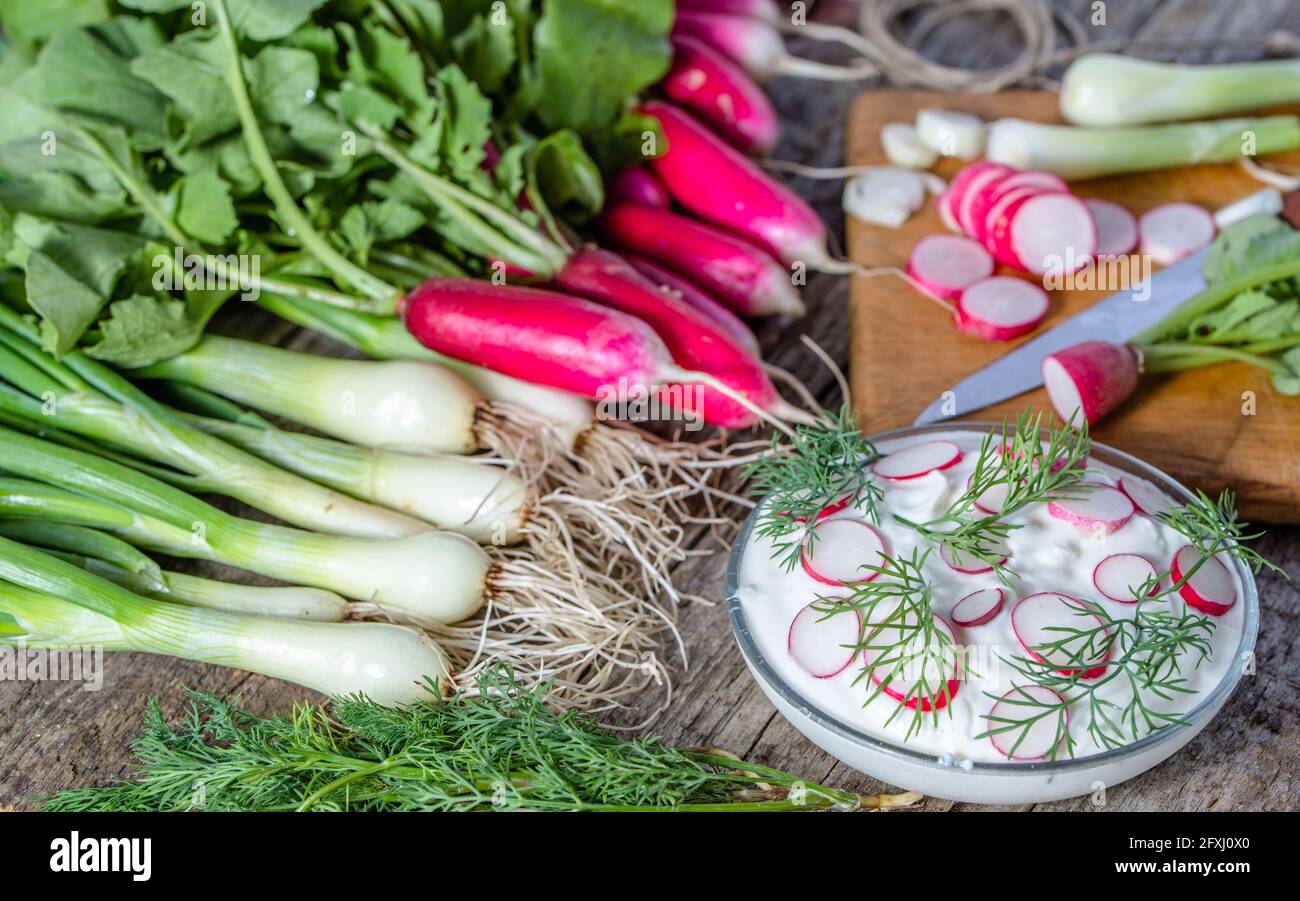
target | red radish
[
  {"x": 978, "y": 607},
  {"x": 822, "y": 643},
  {"x": 1051, "y": 233},
  {"x": 1034, "y": 178},
  {"x": 992, "y": 498},
  {"x": 723, "y": 318},
  {"x": 716, "y": 90},
  {"x": 1117, "y": 230},
  {"x": 1147, "y": 498},
  {"x": 758, "y": 48},
  {"x": 1001, "y": 308},
  {"x": 763, "y": 10},
  {"x": 721, "y": 185},
  {"x": 993, "y": 221},
  {"x": 728, "y": 267},
  {"x": 640, "y": 186},
  {"x": 946, "y": 264},
  {"x": 912, "y": 673},
  {"x": 1040, "y": 739},
  {"x": 1100, "y": 509},
  {"x": 973, "y": 192},
  {"x": 1211, "y": 588},
  {"x": 957, "y": 187},
  {"x": 1120, "y": 576},
  {"x": 1173, "y": 230},
  {"x": 917, "y": 460},
  {"x": 837, "y": 549},
  {"x": 1048, "y": 618},
  {"x": 1092, "y": 377},
  {"x": 959, "y": 562},
  {"x": 696, "y": 344}
]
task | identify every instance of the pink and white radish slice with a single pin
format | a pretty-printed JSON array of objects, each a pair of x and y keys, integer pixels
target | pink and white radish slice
[
  {"x": 1211, "y": 588},
  {"x": 1052, "y": 233},
  {"x": 967, "y": 566},
  {"x": 992, "y": 498},
  {"x": 837, "y": 549},
  {"x": 1043, "y": 621},
  {"x": 978, "y": 607},
  {"x": 1000, "y": 308},
  {"x": 945, "y": 265},
  {"x": 1146, "y": 498},
  {"x": 1101, "y": 509},
  {"x": 1117, "y": 230},
  {"x": 1017, "y": 706},
  {"x": 917, "y": 460},
  {"x": 824, "y": 643},
  {"x": 913, "y": 668},
  {"x": 1174, "y": 230},
  {"x": 1120, "y": 577}
]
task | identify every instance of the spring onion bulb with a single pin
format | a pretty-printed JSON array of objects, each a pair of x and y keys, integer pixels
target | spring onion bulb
[
  {"x": 1107, "y": 89},
  {"x": 1073, "y": 152}
]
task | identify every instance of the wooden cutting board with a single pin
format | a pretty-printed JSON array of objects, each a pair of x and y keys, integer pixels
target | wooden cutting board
[{"x": 1195, "y": 425}]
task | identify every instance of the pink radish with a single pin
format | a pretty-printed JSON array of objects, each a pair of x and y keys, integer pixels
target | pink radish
[
  {"x": 1099, "y": 508},
  {"x": 1211, "y": 588},
  {"x": 917, "y": 460},
  {"x": 946, "y": 264},
  {"x": 1034, "y": 178},
  {"x": 959, "y": 562},
  {"x": 992, "y": 498},
  {"x": 1147, "y": 498},
  {"x": 728, "y": 267},
  {"x": 914, "y": 674},
  {"x": 1119, "y": 576},
  {"x": 721, "y": 185},
  {"x": 957, "y": 187},
  {"x": 1018, "y": 705},
  {"x": 763, "y": 10},
  {"x": 672, "y": 283},
  {"x": 822, "y": 643},
  {"x": 837, "y": 549},
  {"x": 640, "y": 186},
  {"x": 1173, "y": 230},
  {"x": 1000, "y": 308},
  {"x": 973, "y": 193},
  {"x": 1047, "y": 618},
  {"x": 716, "y": 90},
  {"x": 993, "y": 228},
  {"x": 1051, "y": 233},
  {"x": 1092, "y": 378},
  {"x": 1117, "y": 230},
  {"x": 757, "y": 47},
  {"x": 978, "y": 607}
]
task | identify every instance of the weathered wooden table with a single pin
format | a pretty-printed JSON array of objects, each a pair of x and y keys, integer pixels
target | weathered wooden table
[{"x": 53, "y": 735}]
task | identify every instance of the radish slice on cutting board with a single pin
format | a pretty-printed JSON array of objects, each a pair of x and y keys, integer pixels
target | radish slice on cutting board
[
  {"x": 1052, "y": 233},
  {"x": 1039, "y": 619},
  {"x": 1017, "y": 706},
  {"x": 1173, "y": 230},
  {"x": 1001, "y": 308},
  {"x": 978, "y": 607},
  {"x": 837, "y": 548},
  {"x": 1102, "y": 509},
  {"x": 945, "y": 265},
  {"x": 1117, "y": 230},
  {"x": 930, "y": 673},
  {"x": 822, "y": 643},
  {"x": 1120, "y": 577},
  {"x": 1147, "y": 498},
  {"x": 917, "y": 460},
  {"x": 973, "y": 191},
  {"x": 967, "y": 566},
  {"x": 1211, "y": 588}
]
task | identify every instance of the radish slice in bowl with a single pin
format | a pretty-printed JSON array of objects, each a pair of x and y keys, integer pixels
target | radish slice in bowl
[
  {"x": 1018, "y": 706},
  {"x": 837, "y": 549},
  {"x": 824, "y": 643},
  {"x": 1173, "y": 230},
  {"x": 1048, "y": 627},
  {"x": 992, "y": 498},
  {"x": 913, "y": 668},
  {"x": 917, "y": 460},
  {"x": 1001, "y": 308},
  {"x": 968, "y": 566},
  {"x": 1210, "y": 589},
  {"x": 1101, "y": 509},
  {"x": 978, "y": 607},
  {"x": 1120, "y": 577},
  {"x": 1147, "y": 498},
  {"x": 1117, "y": 230},
  {"x": 945, "y": 265}
]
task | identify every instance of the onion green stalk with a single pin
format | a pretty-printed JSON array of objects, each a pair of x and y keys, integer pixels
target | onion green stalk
[
  {"x": 1073, "y": 152},
  {"x": 1106, "y": 89},
  {"x": 59, "y": 604}
]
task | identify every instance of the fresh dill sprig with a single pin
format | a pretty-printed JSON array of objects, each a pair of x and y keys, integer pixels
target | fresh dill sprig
[
  {"x": 1213, "y": 527},
  {"x": 821, "y": 465}
]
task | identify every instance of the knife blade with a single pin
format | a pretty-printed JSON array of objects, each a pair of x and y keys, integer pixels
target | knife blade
[{"x": 1116, "y": 318}]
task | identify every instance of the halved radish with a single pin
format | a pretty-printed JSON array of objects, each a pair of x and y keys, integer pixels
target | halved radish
[
  {"x": 947, "y": 264},
  {"x": 837, "y": 548},
  {"x": 978, "y": 607},
  {"x": 1000, "y": 308},
  {"x": 967, "y": 566},
  {"x": 1092, "y": 377},
  {"x": 824, "y": 644},
  {"x": 1173, "y": 230},
  {"x": 1121, "y": 576},
  {"x": 1018, "y": 705},
  {"x": 1101, "y": 508},
  {"x": 1147, "y": 498},
  {"x": 992, "y": 498},
  {"x": 1211, "y": 588},
  {"x": 917, "y": 460},
  {"x": 1117, "y": 230},
  {"x": 1052, "y": 232},
  {"x": 1048, "y": 618},
  {"x": 906, "y": 667}
]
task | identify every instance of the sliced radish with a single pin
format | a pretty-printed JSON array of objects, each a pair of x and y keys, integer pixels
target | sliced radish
[
  {"x": 1147, "y": 498},
  {"x": 1092, "y": 377},
  {"x": 1173, "y": 230},
  {"x": 993, "y": 221},
  {"x": 1102, "y": 509},
  {"x": 1117, "y": 230},
  {"x": 992, "y": 498},
  {"x": 917, "y": 460},
  {"x": 1211, "y": 589},
  {"x": 978, "y": 607},
  {"x": 837, "y": 549},
  {"x": 834, "y": 507},
  {"x": 1052, "y": 233},
  {"x": 824, "y": 645},
  {"x": 1120, "y": 576},
  {"x": 929, "y": 674},
  {"x": 968, "y": 566},
  {"x": 1018, "y": 705},
  {"x": 1001, "y": 308},
  {"x": 963, "y": 205},
  {"x": 1047, "y": 618},
  {"x": 946, "y": 264},
  {"x": 1036, "y": 178}
]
